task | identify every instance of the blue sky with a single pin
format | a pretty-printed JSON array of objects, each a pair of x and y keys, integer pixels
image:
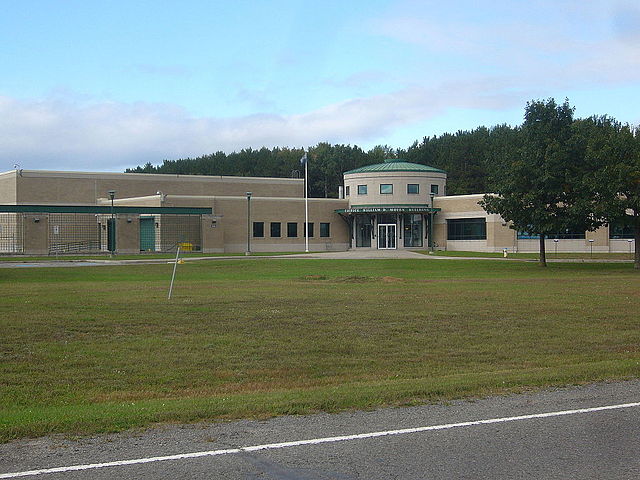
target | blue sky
[{"x": 97, "y": 85}]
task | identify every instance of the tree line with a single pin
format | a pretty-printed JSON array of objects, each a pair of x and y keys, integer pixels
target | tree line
[{"x": 464, "y": 155}]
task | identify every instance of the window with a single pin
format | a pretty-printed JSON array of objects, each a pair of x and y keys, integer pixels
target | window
[
  {"x": 413, "y": 188},
  {"x": 362, "y": 189},
  {"x": 386, "y": 188},
  {"x": 347, "y": 190},
  {"x": 310, "y": 230},
  {"x": 566, "y": 235},
  {"x": 364, "y": 230},
  {"x": 324, "y": 230},
  {"x": 621, "y": 231},
  {"x": 412, "y": 230},
  {"x": 275, "y": 229},
  {"x": 434, "y": 189},
  {"x": 258, "y": 229},
  {"x": 292, "y": 229},
  {"x": 467, "y": 229}
]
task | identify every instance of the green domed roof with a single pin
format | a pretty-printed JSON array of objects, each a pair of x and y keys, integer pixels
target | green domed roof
[{"x": 395, "y": 165}]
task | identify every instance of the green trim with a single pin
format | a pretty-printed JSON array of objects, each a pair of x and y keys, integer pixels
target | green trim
[
  {"x": 395, "y": 166},
  {"x": 103, "y": 209},
  {"x": 394, "y": 205},
  {"x": 388, "y": 209}
]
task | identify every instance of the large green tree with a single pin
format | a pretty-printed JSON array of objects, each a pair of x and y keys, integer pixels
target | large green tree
[
  {"x": 612, "y": 150},
  {"x": 538, "y": 185}
]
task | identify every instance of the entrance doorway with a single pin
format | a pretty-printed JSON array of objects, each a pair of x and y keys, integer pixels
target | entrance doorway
[{"x": 387, "y": 236}]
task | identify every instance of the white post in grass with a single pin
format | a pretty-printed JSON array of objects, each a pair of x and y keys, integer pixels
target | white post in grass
[
  {"x": 175, "y": 264},
  {"x": 306, "y": 202}
]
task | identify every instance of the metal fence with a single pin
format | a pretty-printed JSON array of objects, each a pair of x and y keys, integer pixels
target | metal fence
[
  {"x": 180, "y": 229},
  {"x": 76, "y": 233},
  {"x": 11, "y": 232},
  {"x": 90, "y": 232}
]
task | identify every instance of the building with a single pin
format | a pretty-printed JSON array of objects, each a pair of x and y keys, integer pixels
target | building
[{"x": 392, "y": 205}]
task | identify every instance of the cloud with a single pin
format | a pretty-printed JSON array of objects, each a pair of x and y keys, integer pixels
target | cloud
[
  {"x": 67, "y": 135},
  {"x": 553, "y": 45}
]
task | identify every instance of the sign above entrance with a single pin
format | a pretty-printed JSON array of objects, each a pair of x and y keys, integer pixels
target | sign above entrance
[{"x": 389, "y": 209}]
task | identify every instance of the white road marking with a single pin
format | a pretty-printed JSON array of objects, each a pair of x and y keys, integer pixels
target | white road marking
[{"x": 314, "y": 441}]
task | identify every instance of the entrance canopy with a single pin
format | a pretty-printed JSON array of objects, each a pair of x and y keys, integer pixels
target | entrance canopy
[{"x": 356, "y": 209}]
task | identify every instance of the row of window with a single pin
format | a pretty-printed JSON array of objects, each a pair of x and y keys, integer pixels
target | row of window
[
  {"x": 616, "y": 232},
  {"x": 387, "y": 189},
  {"x": 566, "y": 235},
  {"x": 275, "y": 229},
  {"x": 476, "y": 229}
]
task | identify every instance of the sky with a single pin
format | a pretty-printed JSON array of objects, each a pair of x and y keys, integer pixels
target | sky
[{"x": 108, "y": 85}]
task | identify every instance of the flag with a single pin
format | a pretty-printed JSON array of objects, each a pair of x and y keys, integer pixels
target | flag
[{"x": 303, "y": 160}]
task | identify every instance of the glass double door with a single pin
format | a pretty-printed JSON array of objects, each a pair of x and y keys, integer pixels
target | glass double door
[{"x": 387, "y": 236}]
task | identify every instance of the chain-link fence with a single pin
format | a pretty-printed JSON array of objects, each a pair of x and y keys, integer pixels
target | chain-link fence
[
  {"x": 88, "y": 232},
  {"x": 11, "y": 232},
  {"x": 180, "y": 229},
  {"x": 75, "y": 233}
]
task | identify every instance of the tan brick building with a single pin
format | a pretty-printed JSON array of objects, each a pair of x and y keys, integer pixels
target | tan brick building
[{"x": 393, "y": 205}]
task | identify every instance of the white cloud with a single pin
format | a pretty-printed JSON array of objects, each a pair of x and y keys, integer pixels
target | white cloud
[
  {"x": 549, "y": 45},
  {"x": 68, "y": 135}
]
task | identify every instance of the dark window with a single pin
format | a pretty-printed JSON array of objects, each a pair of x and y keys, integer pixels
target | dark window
[
  {"x": 362, "y": 189},
  {"x": 346, "y": 190},
  {"x": 310, "y": 229},
  {"x": 467, "y": 229},
  {"x": 364, "y": 230},
  {"x": 566, "y": 235},
  {"x": 386, "y": 188},
  {"x": 275, "y": 229},
  {"x": 325, "y": 229},
  {"x": 413, "y": 188},
  {"x": 258, "y": 229},
  {"x": 619, "y": 231},
  {"x": 292, "y": 229},
  {"x": 434, "y": 189},
  {"x": 412, "y": 230}
]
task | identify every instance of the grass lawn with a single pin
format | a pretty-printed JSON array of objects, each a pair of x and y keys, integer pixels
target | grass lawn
[
  {"x": 85, "y": 350},
  {"x": 138, "y": 256},
  {"x": 534, "y": 256}
]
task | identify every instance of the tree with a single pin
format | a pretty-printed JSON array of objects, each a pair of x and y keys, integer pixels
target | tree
[
  {"x": 538, "y": 187},
  {"x": 613, "y": 151}
]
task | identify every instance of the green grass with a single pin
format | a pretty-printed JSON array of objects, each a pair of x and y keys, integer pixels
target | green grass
[
  {"x": 92, "y": 350},
  {"x": 139, "y": 256},
  {"x": 533, "y": 256}
]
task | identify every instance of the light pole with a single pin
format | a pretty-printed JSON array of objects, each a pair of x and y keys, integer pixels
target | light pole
[
  {"x": 248, "y": 252},
  {"x": 432, "y": 195},
  {"x": 111, "y": 233},
  {"x": 591, "y": 247},
  {"x": 555, "y": 244}
]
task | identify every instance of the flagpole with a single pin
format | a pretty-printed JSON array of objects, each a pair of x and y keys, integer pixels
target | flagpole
[{"x": 306, "y": 205}]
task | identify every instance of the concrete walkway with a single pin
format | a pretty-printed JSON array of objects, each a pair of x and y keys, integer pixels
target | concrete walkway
[{"x": 372, "y": 254}]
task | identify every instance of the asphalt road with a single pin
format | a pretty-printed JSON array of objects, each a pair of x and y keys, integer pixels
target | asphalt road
[{"x": 603, "y": 444}]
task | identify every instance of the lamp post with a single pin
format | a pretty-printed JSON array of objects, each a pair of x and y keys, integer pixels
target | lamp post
[
  {"x": 248, "y": 252},
  {"x": 555, "y": 244},
  {"x": 591, "y": 247},
  {"x": 111, "y": 233},
  {"x": 432, "y": 195}
]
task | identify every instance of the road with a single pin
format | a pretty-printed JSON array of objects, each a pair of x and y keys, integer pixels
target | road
[{"x": 537, "y": 435}]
